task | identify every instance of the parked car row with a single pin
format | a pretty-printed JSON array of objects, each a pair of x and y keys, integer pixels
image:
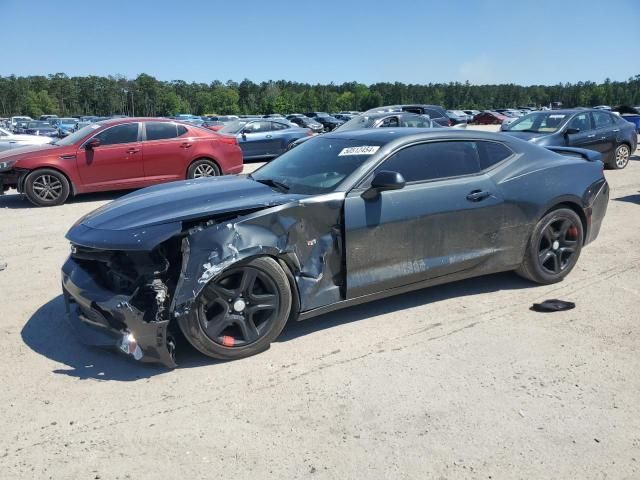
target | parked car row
[{"x": 133, "y": 152}]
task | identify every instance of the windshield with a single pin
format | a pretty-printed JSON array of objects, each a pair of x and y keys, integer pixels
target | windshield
[
  {"x": 361, "y": 121},
  {"x": 540, "y": 122},
  {"x": 317, "y": 166},
  {"x": 77, "y": 136},
  {"x": 233, "y": 127}
]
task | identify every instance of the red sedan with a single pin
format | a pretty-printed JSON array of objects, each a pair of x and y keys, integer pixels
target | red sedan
[
  {"x": 117, "y": 154},
  {"x": 489, "y": 118}
]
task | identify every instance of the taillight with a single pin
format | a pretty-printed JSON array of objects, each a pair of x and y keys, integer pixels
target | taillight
[
  {"x": 309, "y": 133},
  {"x": 450, "y": 123},
  {"x": 228, "y": 139}
]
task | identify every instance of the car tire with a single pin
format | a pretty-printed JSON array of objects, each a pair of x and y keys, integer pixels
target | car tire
[
  {"x": 241, "y": 311},
  {"x": 46, "y": 187},
  {"x": 553, "y": 248},
  {"x": 203, "y": 168},
  {"x": 621, "y": 157}
]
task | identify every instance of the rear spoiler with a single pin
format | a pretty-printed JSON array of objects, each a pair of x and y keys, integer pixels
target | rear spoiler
[{"x": 588, "y": 155}]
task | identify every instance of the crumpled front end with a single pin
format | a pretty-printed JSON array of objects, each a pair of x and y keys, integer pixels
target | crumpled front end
[
  {"x": 119, "y": 300},
  {"x": 126, "y": 298}
]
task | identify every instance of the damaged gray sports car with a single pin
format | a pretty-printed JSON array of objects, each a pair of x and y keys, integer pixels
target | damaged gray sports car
[{"x": 343, "y": 219}]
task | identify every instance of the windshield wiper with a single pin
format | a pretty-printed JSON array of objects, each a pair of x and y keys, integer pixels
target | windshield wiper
[
  {"x": 272, "y": 183},
  {"x": 528, "y": 130}
]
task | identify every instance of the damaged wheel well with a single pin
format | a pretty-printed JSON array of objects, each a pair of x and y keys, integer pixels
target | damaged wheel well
[{"x": 288, "y": 266}]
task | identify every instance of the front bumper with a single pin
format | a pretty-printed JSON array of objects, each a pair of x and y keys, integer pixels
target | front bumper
[
  {"x": 102, "y": 318},
  {"x": 10, "y": 179}
]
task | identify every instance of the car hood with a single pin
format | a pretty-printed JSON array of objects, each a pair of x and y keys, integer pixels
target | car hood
[
  {"x": 33, "y": 151},
  {"x": 26, "y": 138},
  {"x": 183, "y": 201}
]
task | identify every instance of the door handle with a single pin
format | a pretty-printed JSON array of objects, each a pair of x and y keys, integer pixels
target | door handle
[
  {"x": 616, "y": 130},
  {"x": 591, "y": 136},
  {"x": 267, "y": 136},
  {"x": 185, "y": 145},
  {"x": 133, "y": 150},
  {"x": 478, "y": 195}
]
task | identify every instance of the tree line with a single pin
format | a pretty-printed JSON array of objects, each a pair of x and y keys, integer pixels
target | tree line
[{"x": 146, "y": 96}]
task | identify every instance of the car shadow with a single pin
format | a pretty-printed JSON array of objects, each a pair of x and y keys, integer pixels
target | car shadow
[
  {"x": 49, "y": 334},
  {"x": 635, "y": 198},
  {"x": 463, "y": 288},
  {"x": 14, "y": 200}
]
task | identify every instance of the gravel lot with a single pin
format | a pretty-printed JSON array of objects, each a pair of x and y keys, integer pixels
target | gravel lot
[{"x": 457, "y": 381}]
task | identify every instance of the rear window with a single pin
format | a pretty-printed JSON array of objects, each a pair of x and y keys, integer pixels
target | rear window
[
  {"x": 492, "y": 153},
  {"x": 161, "y": 130}
]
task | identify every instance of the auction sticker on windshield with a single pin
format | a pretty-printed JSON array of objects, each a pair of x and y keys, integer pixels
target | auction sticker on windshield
[{"x": 363, "y": 150}]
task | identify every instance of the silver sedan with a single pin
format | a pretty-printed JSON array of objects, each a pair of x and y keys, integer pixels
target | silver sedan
[{"x": 9, "y": 141}]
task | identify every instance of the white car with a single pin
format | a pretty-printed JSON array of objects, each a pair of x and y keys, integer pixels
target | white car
[
  {"x": 9, "y": 141},
  {"x": 13, "y": 121}
]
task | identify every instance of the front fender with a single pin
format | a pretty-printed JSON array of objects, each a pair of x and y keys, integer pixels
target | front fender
[{"x": 308, "y": 235}]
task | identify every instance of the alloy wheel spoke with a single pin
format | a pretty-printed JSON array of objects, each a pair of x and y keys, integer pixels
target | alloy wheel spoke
[
  {"x": 217, "y": 324},
  {"x": 556, "y": 262},
  {"x": 248, "y": 281},
  {"x": 545, "y": 255},
  {"x": 248, "y": 328},
  {"x": 223, "y": 292},
  {"x": 263, "y": 302}
]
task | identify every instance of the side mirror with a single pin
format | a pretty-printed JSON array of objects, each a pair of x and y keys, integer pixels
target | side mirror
[
  {"x": 571, "y": 131},
  {"x": 382, "y": 181},
  {"x": 91, "y": 144}
]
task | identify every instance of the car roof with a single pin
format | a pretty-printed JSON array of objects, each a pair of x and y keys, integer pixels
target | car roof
[
  {"x": 387, "y": 135},
  {"x": 569, "y": 111},
  {"x": 117, "y": 121}
]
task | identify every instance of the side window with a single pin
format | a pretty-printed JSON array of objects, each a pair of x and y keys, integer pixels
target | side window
[
  {"x": 492, "y": 153},
  {"x": 390, "y": 122},
  {"x": 433, "y": 113},
  {"x": 278, "y": 126},
  {"x": 602, "y": 119},
  {"x": 581, "y": 122},
  {"x": 125, "y": 133},
  {"x": 182, "y": 130},
  {"x": 257, "y": 127},
  {"x": 161, "y": 130},
  {"x": 430, "y": 161}
]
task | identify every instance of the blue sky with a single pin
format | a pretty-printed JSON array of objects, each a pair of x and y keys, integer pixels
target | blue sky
[{"x": 322, "y": 41}]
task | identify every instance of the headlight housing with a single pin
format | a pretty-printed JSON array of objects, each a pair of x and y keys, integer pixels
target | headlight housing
[{"x": 7, "y": 165}]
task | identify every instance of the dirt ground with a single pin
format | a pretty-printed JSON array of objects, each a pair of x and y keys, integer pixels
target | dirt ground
[{"x": 457, "y": 381}]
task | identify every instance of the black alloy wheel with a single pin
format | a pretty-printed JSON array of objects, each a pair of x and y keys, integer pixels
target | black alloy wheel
[
  {"x": 241, "y": 311},
  {"x": 239, "y": 307},
  {"x": 557, "y": 245},
  {"x": 553, "y": 248}
]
